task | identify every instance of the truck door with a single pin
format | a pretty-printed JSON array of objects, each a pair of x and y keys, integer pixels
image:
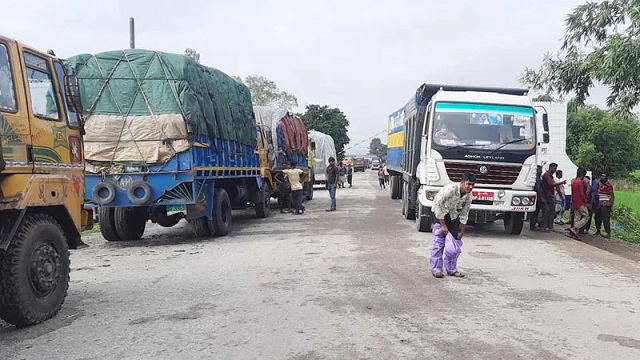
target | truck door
[
  {"x": 15, "y": 135},
  {"x": 49, "y": 135}
]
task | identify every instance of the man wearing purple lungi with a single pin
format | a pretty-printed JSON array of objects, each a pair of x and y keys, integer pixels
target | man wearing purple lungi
[{"x": 451, "y": 208}]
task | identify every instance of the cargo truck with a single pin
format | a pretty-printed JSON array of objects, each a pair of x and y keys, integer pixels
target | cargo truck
[
  {"x": 324, "y": 149},
  {"x": 283, "y": 138},
  {"x": 358, "y": 164},
  {"x": 41, "y": 182},
  {"x": 444, "y": 131},
  {"x": 164, "y": 133}
]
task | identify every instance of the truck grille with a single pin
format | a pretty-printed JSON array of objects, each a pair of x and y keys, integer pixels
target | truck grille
[{"x": 498, "y": 174}]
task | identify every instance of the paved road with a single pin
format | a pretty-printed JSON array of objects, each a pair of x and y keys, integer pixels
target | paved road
[{"x": 354, "y": 284}]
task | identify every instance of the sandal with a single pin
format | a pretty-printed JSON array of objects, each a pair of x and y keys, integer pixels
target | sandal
[
  {"x": 438, "y": 275},
  {"x": 457, "y": 274}
]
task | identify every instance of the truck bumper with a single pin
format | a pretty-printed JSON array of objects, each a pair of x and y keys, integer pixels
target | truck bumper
[{"x": 488, "y": 201}]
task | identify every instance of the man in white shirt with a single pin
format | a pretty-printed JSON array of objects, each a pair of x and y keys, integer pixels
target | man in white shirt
[{"x": 451, "y": 208}]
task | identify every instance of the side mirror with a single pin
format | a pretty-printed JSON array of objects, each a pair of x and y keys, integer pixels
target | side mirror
[
  {"x": 72, "y": 93},
  {"x": 545, "y": 138},
  {"x": 545, "y": 122}
]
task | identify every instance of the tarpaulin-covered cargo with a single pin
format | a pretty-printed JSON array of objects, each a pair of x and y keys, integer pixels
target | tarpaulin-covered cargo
[
  {"x": 145, "y": 106},
  {"x": 325, "y": 148},
  {"x": 289, "y": 135}
]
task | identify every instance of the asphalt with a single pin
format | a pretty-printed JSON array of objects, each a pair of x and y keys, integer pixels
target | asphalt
[{"x": 351, "y": 284}]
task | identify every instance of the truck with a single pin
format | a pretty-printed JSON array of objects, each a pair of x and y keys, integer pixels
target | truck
[
  {"x": 41, "y": 182},
  {"x": 358, "y": 164},
  {"x": 324, "y": 149},
  {"x": 167, "y": 139},
  {"x": 444, "y": 131},
  {"x": 283, "y": 138},
  {"x": 375, "y": 164}
]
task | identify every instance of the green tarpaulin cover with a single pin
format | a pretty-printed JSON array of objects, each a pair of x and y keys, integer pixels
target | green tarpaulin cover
[{"x": 135, "y": 82}]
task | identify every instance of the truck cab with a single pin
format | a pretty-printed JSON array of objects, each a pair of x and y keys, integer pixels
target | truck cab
[
  {"x": 450, "y": 130},
  {"x": 41, "y": 182}
]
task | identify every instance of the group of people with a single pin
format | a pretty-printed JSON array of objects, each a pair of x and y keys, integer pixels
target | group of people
[
  {"x": 589, "y": 199},
  {"x": 290, "y": 188},
  {"x": 383, "y": 177},
  {"x": 346, "y": 175}
]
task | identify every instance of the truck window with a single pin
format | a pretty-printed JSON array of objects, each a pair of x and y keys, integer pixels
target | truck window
[
  {"x": 72, "y": 117},
  {"x": 7, "y": 96},
  {"x": 43, "y": 99}
]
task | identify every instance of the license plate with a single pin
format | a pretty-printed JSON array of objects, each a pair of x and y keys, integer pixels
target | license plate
[{"x": 482, "y": 195}]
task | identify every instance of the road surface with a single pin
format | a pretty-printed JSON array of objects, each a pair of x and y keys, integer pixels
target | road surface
[{"x": 352, "y": 284}]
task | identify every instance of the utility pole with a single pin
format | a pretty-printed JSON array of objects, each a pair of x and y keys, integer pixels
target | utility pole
[{"x": 132, "y": 33}]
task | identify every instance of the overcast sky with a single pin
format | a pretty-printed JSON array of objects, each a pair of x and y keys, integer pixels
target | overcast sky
[{"x": 365, "y": 57}]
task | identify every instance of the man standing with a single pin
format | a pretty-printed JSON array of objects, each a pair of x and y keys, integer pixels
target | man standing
[
  {"x": 579, "y": 202},
  {"x": 381, "y": 179},
  {"x": 296, "y": 178},
  {"x": 535, "y": 216},
  {"x": 549, "y": 190},
  {"x": 559, "y": 204},
  {"x": 284, "y": 191},
  {"x": 333, "y": 176},
  {"x": 593, "y": 199},
  {"x": 607, "y": 199},
  {"x": 350, "y": 175},
  {"x": 451, "y": 208}
]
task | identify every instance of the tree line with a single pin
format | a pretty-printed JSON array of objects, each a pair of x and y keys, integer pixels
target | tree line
[{"x": 601, "y": 46}]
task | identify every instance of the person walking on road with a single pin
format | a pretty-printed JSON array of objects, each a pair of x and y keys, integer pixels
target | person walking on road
[
  {"x": 386, "y": 175},
  {"x": 350, "y": 175},
  {"x": 381, "y": 179},
  {"x": 333, "y": 176},
  {"x": 579, "y": 202},
  {"x": 296, "y": 178},
  {"x": 607, "y": 199},
  {"x": 343, "y": 175},
  {"x": 451, "y": 208},
  {"x": 549, "y": 190}
]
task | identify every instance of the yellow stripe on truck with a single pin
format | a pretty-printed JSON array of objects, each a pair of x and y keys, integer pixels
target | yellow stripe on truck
[{"x": 395, "y": 139}]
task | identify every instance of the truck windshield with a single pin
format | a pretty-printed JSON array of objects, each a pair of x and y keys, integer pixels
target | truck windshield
[{"x": 484, "y": 126}]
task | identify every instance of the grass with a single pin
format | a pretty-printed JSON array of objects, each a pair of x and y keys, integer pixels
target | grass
[
  {"x": 95, "y": 230},
  {"x": 630, "y": 199}
]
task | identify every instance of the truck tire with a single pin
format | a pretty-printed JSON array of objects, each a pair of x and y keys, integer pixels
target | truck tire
[
  {"x": 310, "y": 191},
  {"x": 200, "y": 227},
  {"x": 130, "y": 222},
  {"x": 34, "y": 272},
  {"x": 424, "y": 219},
  {"x": 393, "y": 184},
  {"x": 399, "y": 182},
  {"x": 108, "y": 224},
  {"x": 409, "y": 199},
  {"x": 220, "y": 225},
  {"x": 263, "y": 202},
  {"x": 513, "y": 223}
]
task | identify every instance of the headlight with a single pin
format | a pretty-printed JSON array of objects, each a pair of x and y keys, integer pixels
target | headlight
[
  {"x": 516, "y": 201},
  {"x": 525, "y": 201}
]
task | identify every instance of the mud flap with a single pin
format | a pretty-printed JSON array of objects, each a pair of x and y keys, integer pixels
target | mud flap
[{"x": 9, "y": 223}]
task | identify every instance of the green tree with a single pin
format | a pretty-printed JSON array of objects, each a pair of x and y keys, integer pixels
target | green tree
[
  {"x": 265, "y": 92},
  {"x": 377, "y": 148},
  {"x": 545, "y": 97},
  {"x": 603, "y": 141},
  {"x": 330, "y": 121},
  {"x": 191, "y": 53},
  {"x": 601, "y": 45}
]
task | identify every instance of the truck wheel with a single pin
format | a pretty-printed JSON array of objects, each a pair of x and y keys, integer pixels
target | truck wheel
[
  {"x": 410, "y": 207},
  {"x": 399, "y": 183},
  {"x": 130, "y": 222},
  {"x": 108, "y": 224},
  {"x": 310, "y": 191},
  {"x": 423, "y": 218},
  {"x": 393, "y": 184},
  {"x": 263, "y": 202},
  {"x": 200, "y": 227},
  {"x": 513, "y": 223},
  {"x": 34, "y": 272},
  {"x": 221, "y": 223}
]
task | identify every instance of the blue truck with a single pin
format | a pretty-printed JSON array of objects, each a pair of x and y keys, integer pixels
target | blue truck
[{"x": 167, "y": 139}]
